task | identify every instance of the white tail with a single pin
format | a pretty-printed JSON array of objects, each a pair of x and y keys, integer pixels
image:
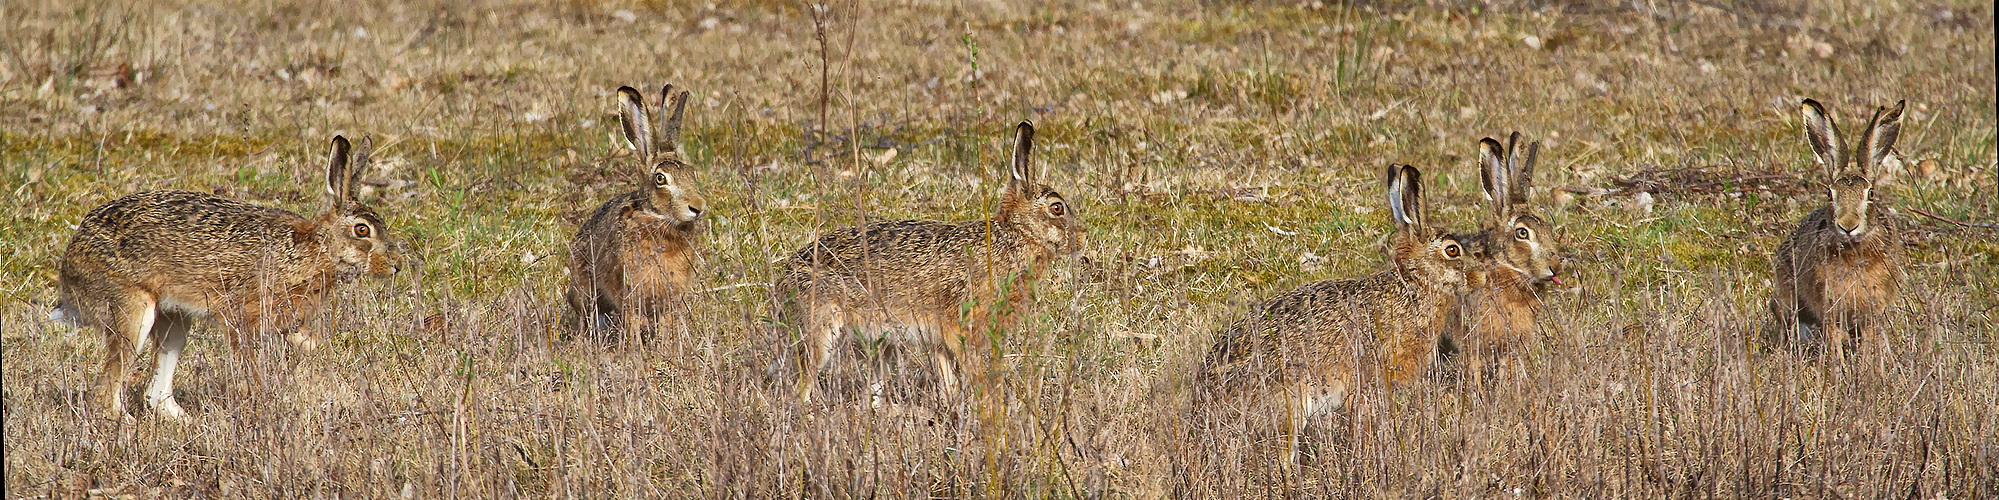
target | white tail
[{"x": 61, "y": 314}]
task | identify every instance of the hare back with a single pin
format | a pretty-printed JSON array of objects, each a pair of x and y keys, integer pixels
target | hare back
[
  {"x": 906, "y": 262},
  {"x": 1327, "y": 325},
  {"x": 194, "y": 239},
  {"x": 193, "y": 252}
]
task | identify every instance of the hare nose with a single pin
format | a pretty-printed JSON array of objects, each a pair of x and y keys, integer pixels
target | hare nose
[{"x": 694, "y": 210}]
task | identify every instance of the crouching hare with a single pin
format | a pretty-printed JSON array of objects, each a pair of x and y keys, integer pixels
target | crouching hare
[
  {"x": 1308, "y": 352},
  {"x": 1520, "y": 255},
  {"x": 143, "y": 267},
  {"x": 1841, "y": 269},
  {"x": 632, "y": 262},
  {"x": 943, "y": 286}
]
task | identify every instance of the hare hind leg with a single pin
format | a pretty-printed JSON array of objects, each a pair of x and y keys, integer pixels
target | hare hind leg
[
  {"x": 172, "y": 329},
  {"x": 126, "y": 322}
]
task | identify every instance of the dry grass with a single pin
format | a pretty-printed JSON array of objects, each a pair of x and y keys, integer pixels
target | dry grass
[{"x": 1188, "y": 136}]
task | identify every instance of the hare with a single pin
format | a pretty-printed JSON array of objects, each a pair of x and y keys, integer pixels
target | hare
[
  {"x": 1310, "y": 349},
  {"x": 943, "y": 286},
  {"x": 1521, "y": 254},
  {"x": 148, "y": 264},
  {"x": 1841, "y": 269},
  {"x": 632, "y": 262}
]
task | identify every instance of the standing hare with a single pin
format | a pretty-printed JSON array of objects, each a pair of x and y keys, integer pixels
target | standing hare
[
  {"x": 1841, "y": 269},
  {"x": 944, "y": 286},
  {"x": 148, "y": 264},
  {"x": 632, "y": 262},
  {"x": 1521, "y": 255},
  {"x": 1306, "y": 352}
]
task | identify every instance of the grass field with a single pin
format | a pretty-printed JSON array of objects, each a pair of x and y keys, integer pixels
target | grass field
[{"x": 1217, "y": 152}]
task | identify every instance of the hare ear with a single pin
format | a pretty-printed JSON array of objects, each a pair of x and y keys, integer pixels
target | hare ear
[
  {"x": 1523, "y": 174},
  {"x": 669, "y": 126},
  {"x": 339, "y": 185},
  {"x": 364, "y": 159},
  {"x": 1405, "y": 197},
  {"x": 1023, "y": 156},
  {"x": 1412, "y": 195},
  {"x": 632, "y": 113},
  {"x": 1493, "y": 174},
  {"x": 1880, "y": 137},
  {"x": 1824, "y": 137}
]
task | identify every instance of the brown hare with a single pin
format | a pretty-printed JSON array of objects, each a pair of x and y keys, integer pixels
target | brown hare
[
  {"x": 942, "y": 286},
  {"x": 1841, "y": 269},
  {"x": 1306, "y": 352},
  {"x": 1521, "y": 255},
  {"x": 632, "y": 262},
  {"x": 146, "y": 265}
]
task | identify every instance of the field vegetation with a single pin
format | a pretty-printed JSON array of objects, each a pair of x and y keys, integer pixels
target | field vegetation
[{"x": 1218, "y": 152}]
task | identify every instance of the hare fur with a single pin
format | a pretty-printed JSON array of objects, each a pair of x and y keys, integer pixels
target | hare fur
[
  {"x": 1308, "y": 352},
  {"x": 1521, "y": 255},
  {"x": 943, "y": 286},
  {"x": 1841, "y": 269},
  {"x": 633, "y": 261},
  {"x": 146, "y": 265}
]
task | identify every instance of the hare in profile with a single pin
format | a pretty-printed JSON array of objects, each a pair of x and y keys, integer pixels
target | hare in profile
[
  {"x": 1841, "y": 269},
  {"x": 632, "y": 262},
  {"x": 943, "y": 286},
  {"x": 145, "y": 266},
  {"x": 1306, "y": 352},
  {"x": 1521, "y": 255}
]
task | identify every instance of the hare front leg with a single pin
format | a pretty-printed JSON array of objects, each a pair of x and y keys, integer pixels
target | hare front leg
[
  {"x": 171, "y": 331},
  {"x": 959, "y": 357},
  {"x": 302, "y": 338},
  {"x": 821, "y": 330},
  {"x": 638, "y": 317}
]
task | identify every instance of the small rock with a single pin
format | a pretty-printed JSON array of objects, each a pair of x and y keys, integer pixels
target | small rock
[
  {"x": 1642, "y": 201},
  {"x": 1929, "y": 168}
]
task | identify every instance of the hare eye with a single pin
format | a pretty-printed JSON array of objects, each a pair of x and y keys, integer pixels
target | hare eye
[
  {"x": 361, "y": 230},
  {"x": 1451, "y": 251},
  {"x": 1522, "y": 233},
  {"x": 660, "y": 179},
  {"x": 1057, "y": 209}
]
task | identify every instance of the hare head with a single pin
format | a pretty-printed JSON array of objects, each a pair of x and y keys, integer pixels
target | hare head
[
  {"x": 1519, "y": 240},
  {"x": 358, "y": 240},
  {"x": 1037, "y": 211},
  {"x": 1422, "y": 254},
  {"x": 1851, "y": 191},
  {"x": 668, "y": 188}
]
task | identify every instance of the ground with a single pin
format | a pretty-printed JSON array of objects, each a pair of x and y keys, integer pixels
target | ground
[{"x": 1218, "y": 153}]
